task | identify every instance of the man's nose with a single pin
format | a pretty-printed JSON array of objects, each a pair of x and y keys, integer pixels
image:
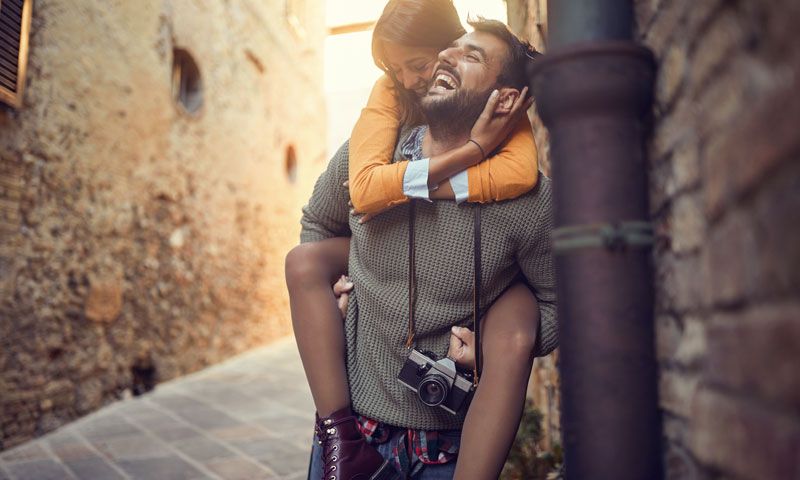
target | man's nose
[{"x": 448, "y": 56}]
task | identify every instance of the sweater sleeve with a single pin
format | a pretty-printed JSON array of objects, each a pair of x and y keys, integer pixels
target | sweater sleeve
[
  {"x": 375, "y": 182},
  {"x": 535, "y": 258},
  {"x": 327, "y": 213},
  {"x": 512, "y": 171}
]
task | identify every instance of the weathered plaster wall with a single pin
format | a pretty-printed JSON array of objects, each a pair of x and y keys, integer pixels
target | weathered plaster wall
[{"x": 134, "y": 235}]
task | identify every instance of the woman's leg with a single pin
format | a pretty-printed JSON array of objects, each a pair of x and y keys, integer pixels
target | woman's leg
[
  {"x": 311, "y": 270},
  {"x": 509, "y": 337}
]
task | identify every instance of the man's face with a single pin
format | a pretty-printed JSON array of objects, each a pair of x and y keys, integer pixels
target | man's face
[{"x": 468, "y": 68}]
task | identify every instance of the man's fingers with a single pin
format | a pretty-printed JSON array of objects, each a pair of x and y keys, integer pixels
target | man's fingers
[
  {"x": 464, "y": 334},
  {"x": 342, "y": 303},
  {"x": 342, "y": 286}
]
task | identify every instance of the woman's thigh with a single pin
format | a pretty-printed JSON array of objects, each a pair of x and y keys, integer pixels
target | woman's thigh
[{"x": 511, "y": 323}]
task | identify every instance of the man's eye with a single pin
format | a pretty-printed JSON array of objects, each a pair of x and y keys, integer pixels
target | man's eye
[
  {"x": 473, "y": 57},
  {"x": 421, "y": 68}
]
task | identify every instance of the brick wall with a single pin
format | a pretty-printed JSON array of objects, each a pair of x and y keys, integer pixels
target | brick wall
[
  {"x": 137, "y": 242},
  {"x": 725, "y": 198},
  {"x": 724, "y": 183}
]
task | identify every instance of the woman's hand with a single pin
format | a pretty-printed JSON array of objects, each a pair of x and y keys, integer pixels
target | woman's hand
[
  {"x": 341, "y": 290},
  {"x": 365, "y": 217},
  {"x": 498, "y": 119},
  {"x": 462, "y": 347}
]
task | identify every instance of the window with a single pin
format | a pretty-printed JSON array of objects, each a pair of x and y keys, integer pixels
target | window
[
  {"x": 15, "y": 23},
  {"x": 187, "y": 86}
]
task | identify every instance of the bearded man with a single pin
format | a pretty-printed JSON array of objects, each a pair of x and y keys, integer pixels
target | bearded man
[{"x": 439, "y": 255}]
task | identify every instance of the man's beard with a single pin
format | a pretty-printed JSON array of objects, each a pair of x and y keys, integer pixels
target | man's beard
[{"x": 454, "y": 116}]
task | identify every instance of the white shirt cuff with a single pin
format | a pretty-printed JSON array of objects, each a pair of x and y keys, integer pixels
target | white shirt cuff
[
  {"x": 460, "y": 185},
  {"x": 415, "y": 180}
]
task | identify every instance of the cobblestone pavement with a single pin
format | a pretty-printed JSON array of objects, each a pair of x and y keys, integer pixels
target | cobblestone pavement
[{"x": 250, "y": 417}]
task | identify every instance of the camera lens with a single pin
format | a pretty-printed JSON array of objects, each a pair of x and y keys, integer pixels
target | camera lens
[{"x": 433, "y": 390}]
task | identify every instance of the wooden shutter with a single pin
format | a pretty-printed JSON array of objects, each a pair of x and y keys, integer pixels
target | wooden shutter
[{"x": 15, "y": 22}]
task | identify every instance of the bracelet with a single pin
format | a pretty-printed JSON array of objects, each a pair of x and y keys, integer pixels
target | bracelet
[{"x": 483, "y": 153}]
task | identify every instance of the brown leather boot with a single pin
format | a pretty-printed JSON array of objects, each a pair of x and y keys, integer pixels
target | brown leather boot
[{"x": 345, "y": 452}]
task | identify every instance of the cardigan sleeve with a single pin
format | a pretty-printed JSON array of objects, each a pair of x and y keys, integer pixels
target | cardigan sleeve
[{"x": 512, "y": 171}]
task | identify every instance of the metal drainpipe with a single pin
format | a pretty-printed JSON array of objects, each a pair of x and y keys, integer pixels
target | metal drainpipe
[{"x": 593, "y": 90}]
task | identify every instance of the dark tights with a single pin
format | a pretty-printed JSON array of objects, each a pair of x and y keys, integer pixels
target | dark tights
[{"x": 509, "y": 335}]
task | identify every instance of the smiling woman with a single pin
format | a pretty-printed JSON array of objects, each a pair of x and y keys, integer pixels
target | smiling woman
[{"x": 349, "y": 71}]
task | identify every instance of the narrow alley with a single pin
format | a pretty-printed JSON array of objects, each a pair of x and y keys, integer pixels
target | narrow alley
[{"x": 249, "y": 417}]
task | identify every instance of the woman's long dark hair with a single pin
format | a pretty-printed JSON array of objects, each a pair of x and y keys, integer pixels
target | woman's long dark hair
[{"x": 414, "y": 23}]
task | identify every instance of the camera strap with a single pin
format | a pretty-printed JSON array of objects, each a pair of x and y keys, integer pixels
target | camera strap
[{"x": 476, "y": 286}]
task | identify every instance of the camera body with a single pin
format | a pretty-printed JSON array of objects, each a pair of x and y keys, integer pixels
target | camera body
[{"x": 436, "y": 382}]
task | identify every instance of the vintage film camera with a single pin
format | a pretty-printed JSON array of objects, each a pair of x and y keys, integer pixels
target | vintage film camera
[{"x": 436, "y": 382}]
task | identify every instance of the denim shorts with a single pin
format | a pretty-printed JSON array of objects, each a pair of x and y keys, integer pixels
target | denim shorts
[{"x": 443, "y": 471}]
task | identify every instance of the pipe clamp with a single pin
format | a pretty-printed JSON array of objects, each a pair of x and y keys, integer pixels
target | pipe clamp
[{"x": 615, "y": 237}]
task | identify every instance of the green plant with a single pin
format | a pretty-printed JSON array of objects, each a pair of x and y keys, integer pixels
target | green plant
[{"x": 526, "y": 460}]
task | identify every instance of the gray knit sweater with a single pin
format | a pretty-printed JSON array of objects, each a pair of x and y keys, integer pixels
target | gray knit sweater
[{"x": 515, "y": 238}]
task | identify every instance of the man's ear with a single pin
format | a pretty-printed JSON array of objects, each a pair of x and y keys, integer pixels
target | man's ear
[{"x": 507, "y": 98}]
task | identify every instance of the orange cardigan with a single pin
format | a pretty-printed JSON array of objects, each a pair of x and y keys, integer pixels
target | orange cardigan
[{"x": 377, "y": 184}]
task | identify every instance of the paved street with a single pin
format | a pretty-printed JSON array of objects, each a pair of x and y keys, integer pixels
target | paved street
[{"x": 248, "y": 418}]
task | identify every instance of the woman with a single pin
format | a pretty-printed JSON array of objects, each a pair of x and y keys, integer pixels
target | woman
[{"x": 406, "y": 42}]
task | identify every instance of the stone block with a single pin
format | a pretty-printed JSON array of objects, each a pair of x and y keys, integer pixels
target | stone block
[
  {"x": 668, "y": 335},
  {"x": 172, "y": 467},
  {"x": 717, "y": 44},
  {"x": 693, "y": 344},
  {"x": 775, "y": 221},
  {"x": 757, "y": 352},
  {"x": 689, "y": 277},
  {"x": 688, "y": 223},
  {"x": 240, "y": 469},
  {"x": 686, "y": 165},
  {"x": 731, "y": 248},
  {"x": 676, "y": 391},
  {"x": 743, "y": 438},
  {"x": 95, "y": 467},
  {"x": 679, "y": 464},
  {"x": 671, "y": 74},
  {"x": 665, "y": 22},
  {"x": 104, "y": 301},
  {"x": 38, "y": 469}
]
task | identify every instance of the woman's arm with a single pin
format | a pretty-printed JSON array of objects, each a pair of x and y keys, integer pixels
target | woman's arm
[{"x": 376, "y": 183}]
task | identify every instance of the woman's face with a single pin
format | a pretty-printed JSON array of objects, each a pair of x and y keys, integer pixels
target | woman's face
[{"x": 412, "y": 66}]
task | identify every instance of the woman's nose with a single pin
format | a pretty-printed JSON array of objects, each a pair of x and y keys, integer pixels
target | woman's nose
[{"x": 412, "y": 82}]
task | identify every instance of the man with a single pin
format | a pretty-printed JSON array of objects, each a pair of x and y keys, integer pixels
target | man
[{"x": 514, "y": 240}]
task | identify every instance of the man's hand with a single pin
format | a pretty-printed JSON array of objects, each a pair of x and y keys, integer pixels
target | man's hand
[
  {"x": 341, "y": 290},
  {"x": 462, "y": 347},
  {"x": 499, "y": 117}
]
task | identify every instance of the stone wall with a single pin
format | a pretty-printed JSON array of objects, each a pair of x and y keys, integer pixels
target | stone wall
[
  {"x": 528, "y": 19},
  {"x": 725, "y": 199},
  {"x": 139, "y": 242},
  {"x": 724, "y": 173}
]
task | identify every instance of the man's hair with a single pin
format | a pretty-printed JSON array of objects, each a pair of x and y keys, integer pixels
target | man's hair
[{"x": 520, "y": 53}]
